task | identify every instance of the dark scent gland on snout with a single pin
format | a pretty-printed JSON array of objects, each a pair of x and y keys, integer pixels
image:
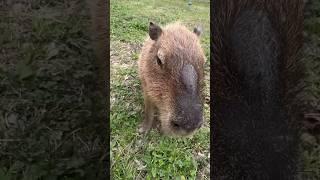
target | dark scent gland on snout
[{"x": 171, "y": 72}]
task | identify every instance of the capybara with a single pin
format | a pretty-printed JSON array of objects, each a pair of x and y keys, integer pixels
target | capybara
[
  {"x": 256, "y": 79},
  {"x": 171, "y": 67}
]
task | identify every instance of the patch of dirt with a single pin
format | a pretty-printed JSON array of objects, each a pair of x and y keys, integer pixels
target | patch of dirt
[{"x": 121, "y": 55}]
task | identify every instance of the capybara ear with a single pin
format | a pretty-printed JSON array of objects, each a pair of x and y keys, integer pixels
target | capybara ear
[
  {"x": 154, "y": 31},
  {"x": 197, "y": 30}
]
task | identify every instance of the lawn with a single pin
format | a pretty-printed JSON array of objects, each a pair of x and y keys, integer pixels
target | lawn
[
  {"x": 310, "y": 146},
  {"x": 50, "y": 110},
  {"x": 152, "y": 156}
]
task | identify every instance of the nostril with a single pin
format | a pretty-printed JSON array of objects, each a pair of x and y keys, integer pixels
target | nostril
[{"x": 175, "y": 124}]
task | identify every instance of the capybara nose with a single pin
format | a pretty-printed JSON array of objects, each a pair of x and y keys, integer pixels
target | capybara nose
[
  {"x": 187, "y": 126},
  {"x": 182, "y": 125},
  {"x": 200, "y": 124},
  {"x": 191, "y": 127},
  {"x": 175, "y": 124}
]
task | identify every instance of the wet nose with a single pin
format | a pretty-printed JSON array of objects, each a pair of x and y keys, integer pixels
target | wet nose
[{"x": 188, "y": 125}]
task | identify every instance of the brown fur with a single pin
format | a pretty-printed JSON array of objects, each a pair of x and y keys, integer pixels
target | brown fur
[
  {"x": 176, "y": 46},
  {"x": 99, "y": 23}
]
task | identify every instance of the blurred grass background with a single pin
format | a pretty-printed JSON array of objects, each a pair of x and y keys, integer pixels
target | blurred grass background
[
  {"x": 310, "y": 146},
  {"x": 50, "y": 127}
]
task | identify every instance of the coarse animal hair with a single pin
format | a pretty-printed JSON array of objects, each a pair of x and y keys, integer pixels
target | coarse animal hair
[{"x": 256, "y": 74}]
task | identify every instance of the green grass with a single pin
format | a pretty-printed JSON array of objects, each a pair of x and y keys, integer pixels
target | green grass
[
  {"x": 49, "y": 122},
  {"x": 152, "y": 156},
  {"x": 310, "y": 146}
]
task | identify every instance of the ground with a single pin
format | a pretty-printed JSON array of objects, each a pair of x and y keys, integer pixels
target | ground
[
  {"x": 50, "y": 126},
  {"x": 310, "y": 146},
  {"x": 153, "y": 156}
]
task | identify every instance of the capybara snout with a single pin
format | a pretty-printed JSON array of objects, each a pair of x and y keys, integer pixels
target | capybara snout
[
  {"x": 171, "y": 72},
  {"x": 188, "y": 103},
  {"x": 189, "y": 115}
]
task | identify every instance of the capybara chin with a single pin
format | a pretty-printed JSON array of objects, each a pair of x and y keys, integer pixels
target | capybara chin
[{"x": 171, "y": 71}]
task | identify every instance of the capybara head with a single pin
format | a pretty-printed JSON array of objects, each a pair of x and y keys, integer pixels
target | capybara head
[{"x": 171, "y": 69}]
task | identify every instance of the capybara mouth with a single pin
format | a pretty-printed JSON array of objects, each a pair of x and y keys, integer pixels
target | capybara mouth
[
  {"x": 174, "y": 130},
  {"x": 179, "y": 123},
  {"x": 187, "y": 128}
]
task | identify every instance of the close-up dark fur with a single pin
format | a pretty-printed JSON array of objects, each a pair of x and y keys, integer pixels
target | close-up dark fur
[
  {"x": 100, "y": 34},
  {"x": 99, "y": 22},
  {"x": 256, "y": 79}
]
